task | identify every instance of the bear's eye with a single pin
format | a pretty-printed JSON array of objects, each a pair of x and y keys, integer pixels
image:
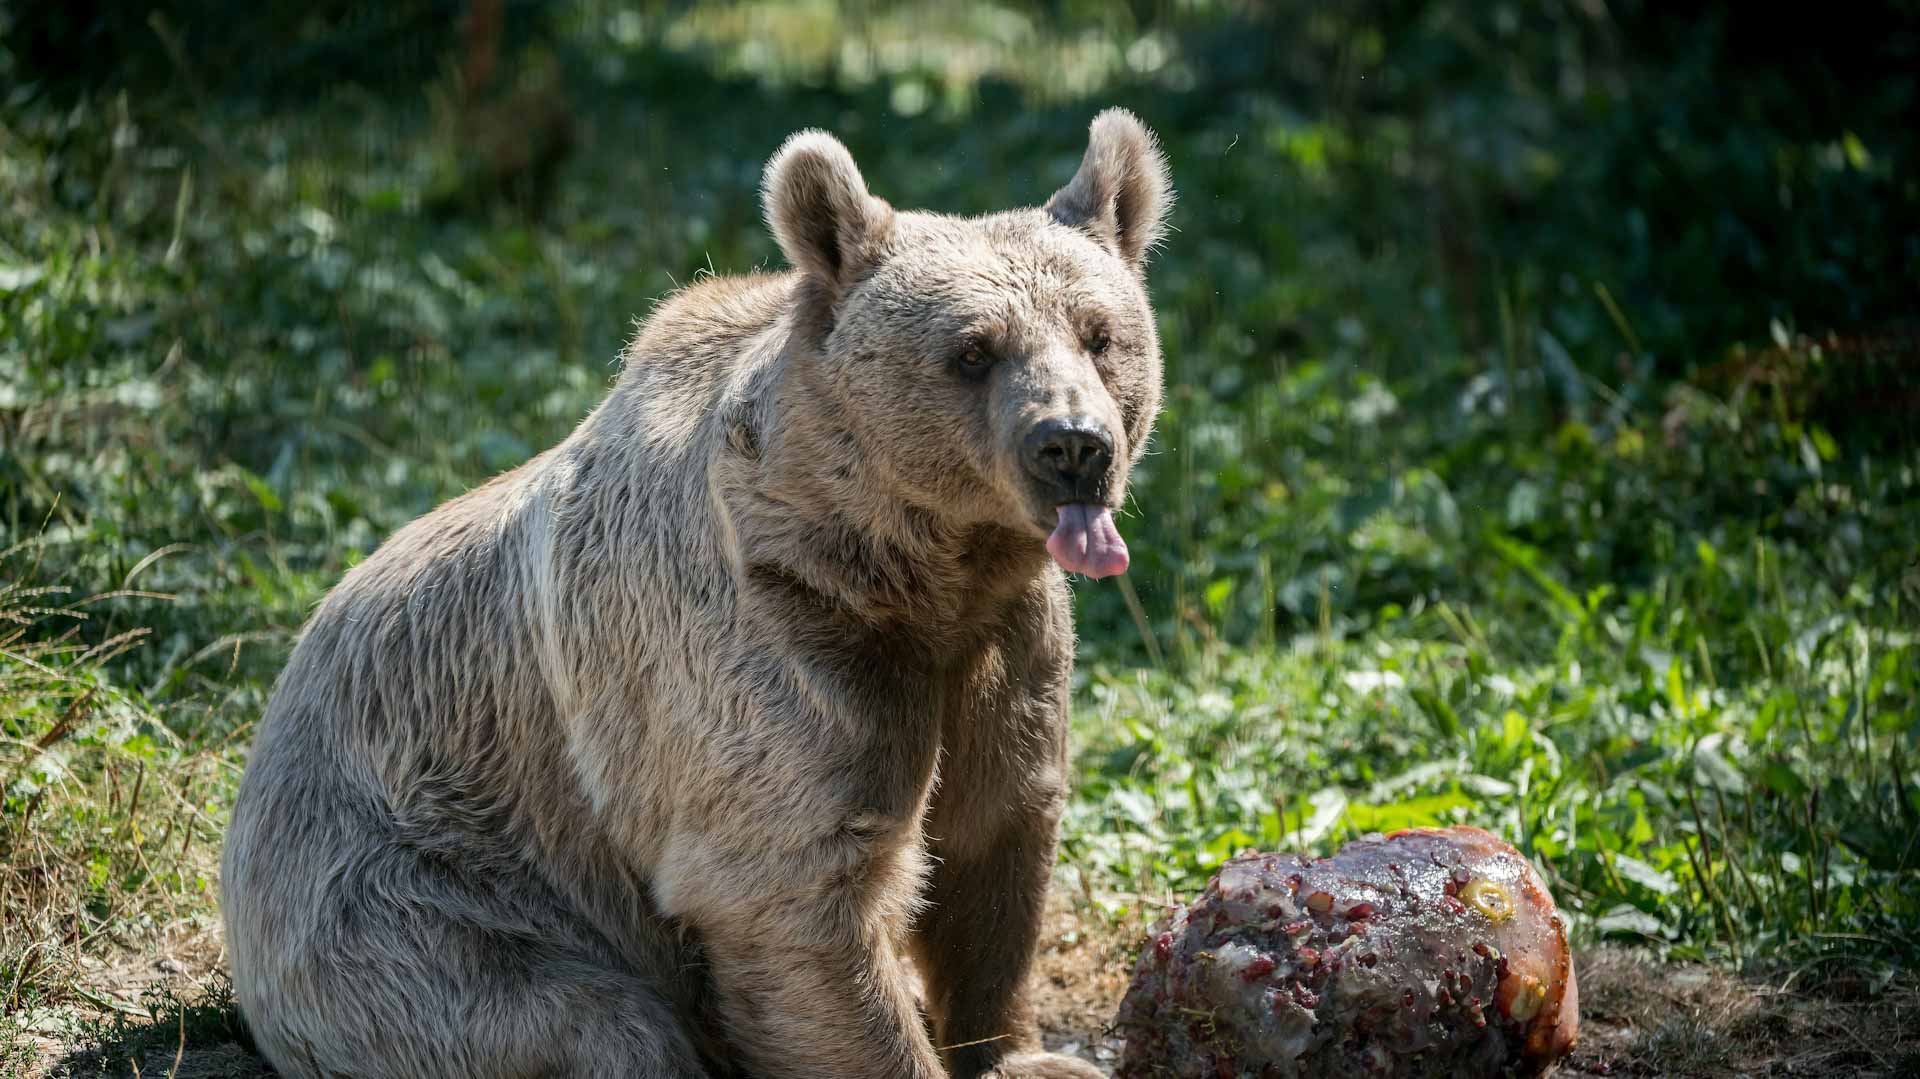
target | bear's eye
[
  {"x": 975, "y": 359},
  {"x": 1098, "y": 342}
]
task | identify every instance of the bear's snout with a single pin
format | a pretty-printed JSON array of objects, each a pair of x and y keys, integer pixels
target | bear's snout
[{"x": 1071, "y": 458}]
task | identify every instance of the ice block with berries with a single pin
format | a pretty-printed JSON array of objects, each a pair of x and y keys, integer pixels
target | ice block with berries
[{"x": 1428, "y": 952}]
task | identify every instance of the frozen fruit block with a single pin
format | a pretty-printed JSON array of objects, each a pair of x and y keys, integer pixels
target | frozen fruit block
[{"x": 1428, "y": 952}]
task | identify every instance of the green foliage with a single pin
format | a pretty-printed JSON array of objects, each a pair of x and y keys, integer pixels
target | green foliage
[{"x": 1503, "y": 478}]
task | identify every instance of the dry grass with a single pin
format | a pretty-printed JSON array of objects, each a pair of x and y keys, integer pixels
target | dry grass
[{"x": 111, "y": 827}]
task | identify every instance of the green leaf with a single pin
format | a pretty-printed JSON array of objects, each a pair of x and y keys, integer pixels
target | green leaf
[
  {"x": 1712, "y": 766},
  {"x": 1135, "y": 806},
  {"x": 1709, "y": 558},
  {"x": 1430, "y": 811},
  {"x": 1626, "y": 919},
  {"x": 1217, "y": 594},
  {"x": 1769, "y": 715},
  {"x": 1226, "y": 845},
  {"x": 1445, "y": 719},
  {"x": 1272, "y": 832},
  {"x": 1513, "y": 732},
  {"x": 1654, "y": 880},
  {"x": 269, "y": 501},
  {"x": 1526, "y": 559},
  {"x": 1328, "y": 804},
  {"x": 1677, "y": 691},
  {"x": 1783, "y": 780},
  {"x": 1823, "y": 443}
]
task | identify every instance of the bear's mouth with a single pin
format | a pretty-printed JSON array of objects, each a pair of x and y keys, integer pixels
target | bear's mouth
[{"x": 1086, "y": 541}]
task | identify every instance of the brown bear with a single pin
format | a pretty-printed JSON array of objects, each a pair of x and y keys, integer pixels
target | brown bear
[{"x": 666, "y": 753}]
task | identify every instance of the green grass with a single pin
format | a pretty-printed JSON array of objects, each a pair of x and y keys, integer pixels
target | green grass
[{"x": 1469, "y": 502}]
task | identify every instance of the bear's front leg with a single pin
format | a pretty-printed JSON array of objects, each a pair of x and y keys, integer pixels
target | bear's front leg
[
  {"x": 976, "y": 941},
  {"x": 799, "y": 893},
  {"x": 992, "y": 830},
  {"x": 808, "y": 987}
]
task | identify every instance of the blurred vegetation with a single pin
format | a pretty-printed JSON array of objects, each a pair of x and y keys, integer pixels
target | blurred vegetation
[{"x": 1540, "y": 447}]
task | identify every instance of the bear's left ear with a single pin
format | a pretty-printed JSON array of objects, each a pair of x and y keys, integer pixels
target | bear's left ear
[
  {"x": 820, "y": 212},
  {"x": 1121, "y": 193}
]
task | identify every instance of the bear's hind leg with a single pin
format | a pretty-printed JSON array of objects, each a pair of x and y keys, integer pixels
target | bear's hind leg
[{"x": 443, "y": 989}]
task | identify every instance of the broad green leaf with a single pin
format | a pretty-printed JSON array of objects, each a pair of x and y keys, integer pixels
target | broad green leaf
[{"x": 1654, "y": 880}]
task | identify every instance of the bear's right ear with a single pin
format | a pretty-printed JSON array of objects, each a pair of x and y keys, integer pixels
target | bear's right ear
[{"x": 820, "y": 212}]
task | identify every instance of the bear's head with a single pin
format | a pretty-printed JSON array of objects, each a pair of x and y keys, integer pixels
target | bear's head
[{"x": 999, "y": 370}]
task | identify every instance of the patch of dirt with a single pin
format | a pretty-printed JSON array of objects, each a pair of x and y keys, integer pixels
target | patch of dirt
[
  {"x": 1078, "y": 977},
  {"x": 118, "y": 991},
  {"x": 1642, "y": 1018},
  {"x": 181, "y": 962},
  {"x": 1639, "y": 1018},
  {"x": 226, "y": 1060}
]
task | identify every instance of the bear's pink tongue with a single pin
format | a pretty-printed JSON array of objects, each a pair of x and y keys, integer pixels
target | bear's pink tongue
[{"x": 1085, "y": 541}]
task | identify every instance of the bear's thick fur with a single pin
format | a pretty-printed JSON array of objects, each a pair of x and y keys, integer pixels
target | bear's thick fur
[{"x": 664, "y": 753}]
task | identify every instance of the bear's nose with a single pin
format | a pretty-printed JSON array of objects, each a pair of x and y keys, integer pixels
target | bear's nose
[{"x": 1072, "y": 453}]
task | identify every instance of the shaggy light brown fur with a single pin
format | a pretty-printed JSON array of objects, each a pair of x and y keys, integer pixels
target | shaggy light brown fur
[{"x": 662, "y": 754}]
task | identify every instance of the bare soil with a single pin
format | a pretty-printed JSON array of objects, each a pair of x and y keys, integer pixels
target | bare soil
[{"x": 1639, "y": 1017}]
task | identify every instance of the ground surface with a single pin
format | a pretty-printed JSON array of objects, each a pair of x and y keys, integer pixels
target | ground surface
[{"x": 1639, "y": 1017}]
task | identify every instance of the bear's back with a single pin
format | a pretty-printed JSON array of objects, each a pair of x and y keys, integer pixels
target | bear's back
[
  {"x": 471, "y": 625},
  {"x": 704, "y": 330}
]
